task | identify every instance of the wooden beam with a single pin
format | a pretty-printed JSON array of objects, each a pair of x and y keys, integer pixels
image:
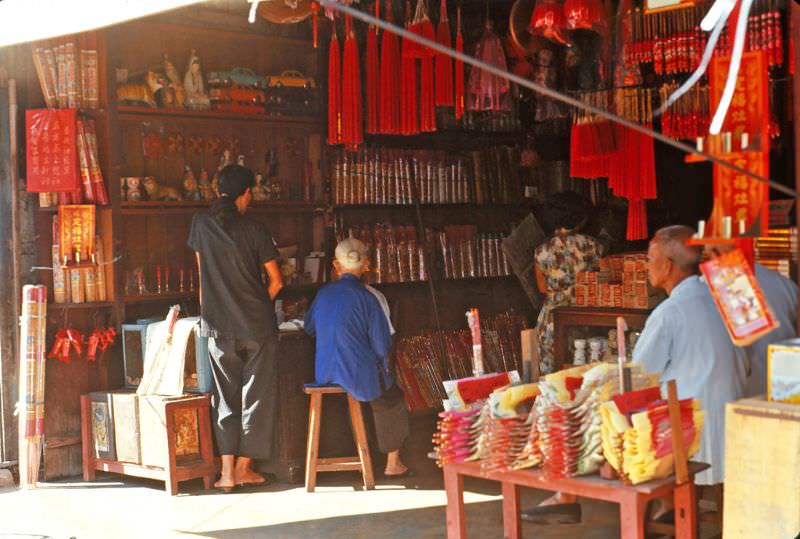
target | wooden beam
[{"x": 794, "y": 32}]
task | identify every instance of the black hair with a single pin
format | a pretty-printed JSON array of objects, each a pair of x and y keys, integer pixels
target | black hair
[
  {"x": 566, "y": 209},
  {"x": 233, "y": 181}
]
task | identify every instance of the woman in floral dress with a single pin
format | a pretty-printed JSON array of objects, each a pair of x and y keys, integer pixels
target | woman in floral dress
[{"x": 557, "y": 263}]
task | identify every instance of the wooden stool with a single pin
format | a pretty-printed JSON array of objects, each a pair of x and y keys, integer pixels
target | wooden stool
[{"x": 362, "y": 462}]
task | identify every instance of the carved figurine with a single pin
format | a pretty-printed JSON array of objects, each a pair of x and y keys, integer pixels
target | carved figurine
[
  {"x": 226, "y": 159},
  {"x": 206, "y": 191},
  {"x": 159, "y": 192},
  {"x": 175, "y": 86},
  {"x": 191, "y": 191},
  {"x": 134, "y": 185},
  {"x": 196, "y": 96},
  {"x": 259, "y": 190},
  {"x": 140, "y": 93},
  {"x": 240, "y": 160}
]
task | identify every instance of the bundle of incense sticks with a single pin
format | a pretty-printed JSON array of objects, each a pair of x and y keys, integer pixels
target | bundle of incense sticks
[
  {"x": 31, "y": 382},
  {"x": 384, "y": 176},
  {"x": 465, "y": 253},
  {"x": 424, "y": 361},
  {"x": 67, "y": 70}
]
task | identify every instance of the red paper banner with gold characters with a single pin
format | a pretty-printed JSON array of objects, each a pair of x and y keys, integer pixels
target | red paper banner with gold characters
[
  {"x": 76, "y": 225},
  {"x": 737, "y": 195},
  {"x": 52, "y": 155}
]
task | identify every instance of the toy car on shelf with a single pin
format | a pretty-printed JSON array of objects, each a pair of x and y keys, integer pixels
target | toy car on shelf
[
  {"x": 238, "y": 76},
  {"x": 237, "y": 100},
  {"x": 290, "y": 79}
]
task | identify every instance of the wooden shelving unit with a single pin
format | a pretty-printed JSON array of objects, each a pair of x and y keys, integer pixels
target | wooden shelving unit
[
  {"x": 187, "y": 207},
  {"x": 138, "y": 114}
]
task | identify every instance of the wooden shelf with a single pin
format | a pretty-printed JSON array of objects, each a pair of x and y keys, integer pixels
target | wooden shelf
[
  {"x": 136, "y": 114},
  {"x": 150, "y": 298},
  {"x": 173, "y": 207},
  {"x": 54, "y": 209},
  {"x": 86, "y": 305},
  {"x": 441, "y": 205}
]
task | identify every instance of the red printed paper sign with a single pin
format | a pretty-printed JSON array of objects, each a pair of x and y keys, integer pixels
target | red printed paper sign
[{"x": 52, "y": 150}]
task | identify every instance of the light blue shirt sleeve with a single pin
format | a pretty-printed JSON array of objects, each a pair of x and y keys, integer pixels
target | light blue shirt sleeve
[{"x": 654, "y": 348}]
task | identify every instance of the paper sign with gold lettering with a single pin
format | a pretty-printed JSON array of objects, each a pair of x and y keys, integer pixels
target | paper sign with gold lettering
[
  {"x": 52, "y": 155},
  {"x": 735, "y": 194},
  {"x": 76, "y": 233}
]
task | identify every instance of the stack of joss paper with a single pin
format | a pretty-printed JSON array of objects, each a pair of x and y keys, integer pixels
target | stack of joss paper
[
  {"x": 466, "y": 410},
  {"x": 637, "y": 438},
  {"x": 568, "y": 417},
  {"x": 508, "y": 426}
]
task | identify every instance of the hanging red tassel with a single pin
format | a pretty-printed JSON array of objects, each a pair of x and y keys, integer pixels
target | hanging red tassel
[
  {"x": 444, "y": 64},
  {"x": 352, "y": 126},
  {"x": 334, "y": 92},
  {"x": 409, "y": 113},
  {"x": 422, "y": 26},
  {"x": 390, "y": 80},
  {"x": 459, "y": 71},
  {"x": 373, "y": 75}
]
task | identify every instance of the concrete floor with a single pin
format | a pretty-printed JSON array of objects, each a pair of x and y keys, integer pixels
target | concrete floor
[{"x": 117, "y": 507}]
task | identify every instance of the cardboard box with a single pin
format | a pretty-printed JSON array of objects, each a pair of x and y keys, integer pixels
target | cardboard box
[
  {"x": 581, "y": 293},
  {"x": 628, "y": 302},
  {"x": 604, "y": 291},
  {"x": 591, "y": 295},
  {"x": 581, "y": 277}
]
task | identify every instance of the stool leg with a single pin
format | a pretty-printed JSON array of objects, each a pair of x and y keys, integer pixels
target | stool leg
[
  {"x": 360, "y": 435},
  {"x": 312, "y": 449}
]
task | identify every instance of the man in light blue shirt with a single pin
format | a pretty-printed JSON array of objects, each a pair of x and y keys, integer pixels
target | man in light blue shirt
[
  {"x": 685, "y": 339},
  {"x": 353, "y": 343}
]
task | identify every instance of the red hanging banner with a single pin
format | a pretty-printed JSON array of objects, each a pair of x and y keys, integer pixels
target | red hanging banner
[
  {"x": 52, "y": 155},
  {"x": 736, "y": 195}
]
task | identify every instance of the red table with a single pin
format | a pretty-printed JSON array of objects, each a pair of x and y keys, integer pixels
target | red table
[{"x": 631, "y": 499}]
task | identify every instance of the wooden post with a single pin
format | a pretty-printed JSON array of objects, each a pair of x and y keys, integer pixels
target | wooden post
[
  {"x": 794, "y": 33},
  {"x": 678, "y": 448}
]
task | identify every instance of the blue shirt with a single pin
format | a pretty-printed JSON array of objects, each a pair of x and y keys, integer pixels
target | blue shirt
[
  {"x": 353, "y": 338},
  {"x": 781, "y": 294},
  {"x": 685, "y": 339}
]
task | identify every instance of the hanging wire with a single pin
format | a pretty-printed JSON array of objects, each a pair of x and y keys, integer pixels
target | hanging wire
[{"x": 525, "y": 83}]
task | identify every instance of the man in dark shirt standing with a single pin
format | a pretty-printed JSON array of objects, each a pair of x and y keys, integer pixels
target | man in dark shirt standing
[
  {"x": 353, "y": 343},
  {"x": 232, "y": 249}
]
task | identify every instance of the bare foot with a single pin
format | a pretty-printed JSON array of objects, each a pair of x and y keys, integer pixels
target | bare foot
[
  {"x": 249, "y": 478},
  {"x": 397, "y": 469},
  {"x": 225, "y": 483}
]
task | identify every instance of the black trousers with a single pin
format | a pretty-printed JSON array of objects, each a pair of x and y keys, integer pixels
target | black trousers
[
  {"x": 245, "y": 395},
  {"x": 391, "y": 419}
]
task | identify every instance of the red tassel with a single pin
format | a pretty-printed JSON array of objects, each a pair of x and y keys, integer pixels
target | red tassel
[
  {"x": 459, "y": 71},
  {"x": 390, "y": 81},
  {"x": 444, "y": 64},
  {"x": 334, "y": 92},
  {"x": 373, "y": 77},
  {"x": 352, "y": 126},
  {"x": 409, "y": 117},
  {"x": 427, "y": 106}
]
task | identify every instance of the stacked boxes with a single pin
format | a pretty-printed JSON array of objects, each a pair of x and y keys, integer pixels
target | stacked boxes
[{"x": 621, "y": 282}]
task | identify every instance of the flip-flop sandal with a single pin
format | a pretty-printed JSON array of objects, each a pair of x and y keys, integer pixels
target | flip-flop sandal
[
  {"x": 406, "y": 474},
  {"x": 559, "y": 513}
]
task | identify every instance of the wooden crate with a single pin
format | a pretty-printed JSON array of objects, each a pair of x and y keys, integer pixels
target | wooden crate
[{"x": 762, "y": 470}]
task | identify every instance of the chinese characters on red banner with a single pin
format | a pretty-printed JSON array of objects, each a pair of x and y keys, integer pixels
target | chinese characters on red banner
[
  {"x": 52, "y": 150},
  {"x": 735, "y": 194}
]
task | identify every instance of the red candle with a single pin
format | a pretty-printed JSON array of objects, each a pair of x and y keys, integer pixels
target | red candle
[
  {"x": 180, "y": 285},
  {"x": 158, "y": 278},
  {"x": 166, "y": 279},
  {"x": 141, "y": 284}
]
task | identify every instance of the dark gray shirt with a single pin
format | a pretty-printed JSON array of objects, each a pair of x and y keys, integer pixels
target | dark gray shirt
[{"x": 235, "y": 303}]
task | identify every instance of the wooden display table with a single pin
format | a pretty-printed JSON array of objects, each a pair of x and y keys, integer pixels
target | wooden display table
[
  {"x": 171, "y": 437},
  {"x": 632, "y": 499},
  {"x": 564, "y": 317}
]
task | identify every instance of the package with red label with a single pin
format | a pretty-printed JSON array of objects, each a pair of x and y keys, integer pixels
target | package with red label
[{"x": 744, "y": 309}]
